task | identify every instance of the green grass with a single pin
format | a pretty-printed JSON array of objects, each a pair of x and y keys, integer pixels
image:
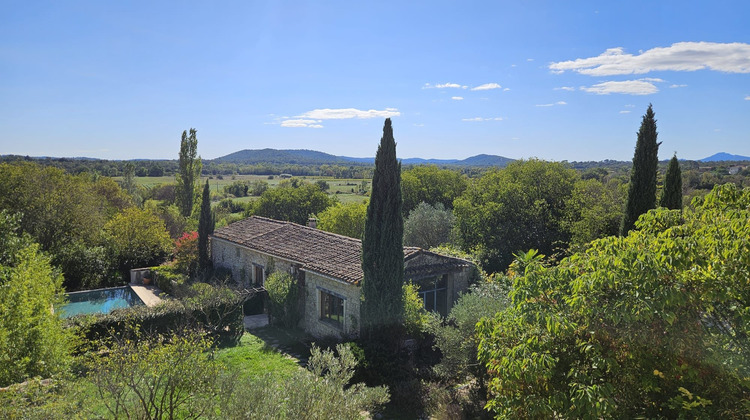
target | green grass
[{"x": 252, "y": 357}]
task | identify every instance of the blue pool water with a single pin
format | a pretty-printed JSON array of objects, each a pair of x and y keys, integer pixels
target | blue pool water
[{"x": 99, "y": 301}]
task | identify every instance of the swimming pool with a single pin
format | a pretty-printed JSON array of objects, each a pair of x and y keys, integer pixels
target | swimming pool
[{"x": 99, "y": 301}]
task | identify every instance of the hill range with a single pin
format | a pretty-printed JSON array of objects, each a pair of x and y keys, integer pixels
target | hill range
[{"x": 312, "y": 157}]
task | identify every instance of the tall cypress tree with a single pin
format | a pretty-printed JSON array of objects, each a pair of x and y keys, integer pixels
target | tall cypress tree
[
  {"x": 671, "y": 196},
  {"x": 642, "y": 187},
  {"x": 189, "y": 172},
  {"x": 206, "y": 225},
  {"x": 382, "y": 245}
]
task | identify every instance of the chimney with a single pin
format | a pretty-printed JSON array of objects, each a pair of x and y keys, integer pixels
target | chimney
[{"x": 312, "y": 222}]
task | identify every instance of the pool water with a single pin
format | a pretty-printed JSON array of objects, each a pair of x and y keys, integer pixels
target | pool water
[{"x": 99, "y": 301}]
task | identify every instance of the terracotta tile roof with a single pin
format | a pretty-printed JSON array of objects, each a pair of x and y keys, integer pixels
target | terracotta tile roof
[{"x": 316, "y": 250}]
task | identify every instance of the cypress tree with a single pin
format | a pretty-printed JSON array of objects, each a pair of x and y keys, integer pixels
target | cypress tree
[
  {"x": 206, "y": 225},
  {"x": 381, "y": 312},
  {"x": 642, "y": 187},
  {"x": 189, "y": 172},
  {"x": 671, "y": 196}
]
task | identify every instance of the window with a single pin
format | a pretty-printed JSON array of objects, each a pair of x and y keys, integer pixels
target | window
[
  {"x": 258, "y": 274},
  {"x": 331, "y": 308},
  {"x": 434, "y": 294}
]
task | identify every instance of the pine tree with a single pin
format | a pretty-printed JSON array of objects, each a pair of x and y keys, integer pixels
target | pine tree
[
  {"x": 642, "y": 187},
  {"x": 671, "y": 196},
  {"x": 382, "y": 245},
  {"x": 206, "y": 225},
  {"x": 189, "y": 172}
]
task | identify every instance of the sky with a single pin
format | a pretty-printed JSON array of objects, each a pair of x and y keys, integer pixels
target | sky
[{"x": 554, "y": 80}]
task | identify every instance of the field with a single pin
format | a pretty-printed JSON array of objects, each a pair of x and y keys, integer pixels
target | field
[{"x": 345, "y": 190}]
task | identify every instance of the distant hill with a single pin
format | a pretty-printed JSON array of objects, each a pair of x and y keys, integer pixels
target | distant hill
[
  {"x": 284, "y": 157},
  {"x": 724, "y": 156},
  {"x": 311, "y": 157}
]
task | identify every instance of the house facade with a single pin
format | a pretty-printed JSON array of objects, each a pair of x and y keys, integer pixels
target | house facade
[{"x": 328, "y": 270}]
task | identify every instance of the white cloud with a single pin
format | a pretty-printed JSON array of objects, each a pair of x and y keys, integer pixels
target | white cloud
[
  {"x": 747, "y": 98},
  {"x": 625, "y": 112},
  {"x": 443, "y": 86},
  {"x": 549, "y": 105},
  {"x": 529, "y": 59},
  {"x": 301, "y": 123},
  {"x": 479, "y": 119},
  {"x": 418, "y": 125},
  {"x": 682, "y": 56},
  {"x": 457, "y": 98},
  {"x": 348, "y": 113},
  {"x": 627, "y": 87},
  {"x": 506, "y": 89},
  {"x": 629, "y": 106},
  {"x": 568, "y": 88},
  {"x": 677, "y": 86},
  {"x": 487, "y": 86}
]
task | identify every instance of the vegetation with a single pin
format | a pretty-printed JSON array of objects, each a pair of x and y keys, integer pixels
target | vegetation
[
  {"x": 344, "y": 219},
  {"x": 642, "y": 187},
  {"x": 283, "y": 298},
  {"x": 671, "y": 196},
  {"x": 189, "y": 172},
  {"x": 382, "y": 250},
  {"x": 431, "y": 185},
  {"x": 293, "y": 201},
  {"x": 137, "y": 238},
  {"x": 206, "y": 224},
  {"x": 428, "y": 226},
  {"x": 32, "y": 339},
  {"x": 515, "y": 209},
  {"x": 650, "y": 325}
]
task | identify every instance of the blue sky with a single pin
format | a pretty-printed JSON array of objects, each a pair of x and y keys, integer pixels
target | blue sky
[{"x": 548, "y": 79}]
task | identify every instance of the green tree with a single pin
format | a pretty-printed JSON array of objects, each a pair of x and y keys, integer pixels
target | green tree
[
  {"x": 206, "y": 226},
  {"x": 652, "y": 325},
  {"x": 344, "y": 219},
  {"x": 382, "y": 246},
  {"x": 431, "y": 185},
  {"x": 594, "y": 209},
  {"x": 520, "y": 207},
  {"x": 428, "y": 226},
  {"x": 137, "y": 238},
  {"x": 292, "y": 201},
  {"x": 671, "y": 196},
  {"x": 33, "y": 341},
  {"x": 642, "y": 187},
  {"x": 189, "y": 172}
]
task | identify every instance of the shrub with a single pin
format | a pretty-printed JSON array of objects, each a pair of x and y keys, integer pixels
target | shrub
[
  {"x": 283, "y": 298},
  {"x": 186, "y": 253}
]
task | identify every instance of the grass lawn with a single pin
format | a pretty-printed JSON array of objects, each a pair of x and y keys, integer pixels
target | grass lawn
[{"x": 252, "y": 357}]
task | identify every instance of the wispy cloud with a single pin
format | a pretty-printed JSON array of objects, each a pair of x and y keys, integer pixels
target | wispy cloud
[
  {"x": 548, "y": 105},
  {"x": 568, "y": 88},
  {"x": 298, "y": 123},
  {"x": 479, "y": 119},
  {"x": 627, "y": 87},
  {"x": 457, "y": 98},
  {"x": 747, "y": 98},
  {"x": 349, "y": 113},
  {"x": 677, "y": 86},
  {"x": 444, "y": 86},
  {"x": 314, "y": 118},
  {"x": 487, "y": 86},
  {"x": 625, "y": 112},
  {"x": 682, "y": 56}
]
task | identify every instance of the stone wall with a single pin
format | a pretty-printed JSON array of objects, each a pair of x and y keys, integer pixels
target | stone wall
[
  {"x": 242, "y": 261},
  {"x": 314, "y": 285}
]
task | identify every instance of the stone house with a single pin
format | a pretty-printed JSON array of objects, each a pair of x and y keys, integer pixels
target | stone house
[{"x": 328, "y": 270}]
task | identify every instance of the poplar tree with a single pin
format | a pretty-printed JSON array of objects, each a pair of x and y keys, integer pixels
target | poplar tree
[
  {"x": 382, "y": 244},
  {"x": 189, "y": 172},
  {"x": 642, "y": 187},
  {"x": 206, "y": 225},
  {"x": 671, "y": 196}
]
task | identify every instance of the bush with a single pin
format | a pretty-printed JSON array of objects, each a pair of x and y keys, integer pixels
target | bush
[
  {"x": 283, "y": 298},
  {"x": 166, "y": 277}
]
